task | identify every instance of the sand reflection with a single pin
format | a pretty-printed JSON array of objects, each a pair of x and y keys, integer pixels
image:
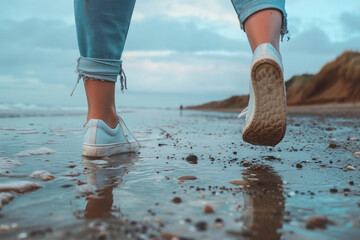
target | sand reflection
[
  {"x": 265, "y": 201},
  {"x": 105, "y": 174}
]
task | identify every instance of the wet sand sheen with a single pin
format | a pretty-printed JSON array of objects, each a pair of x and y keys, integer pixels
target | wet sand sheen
[{"x": 193, "y": 178}]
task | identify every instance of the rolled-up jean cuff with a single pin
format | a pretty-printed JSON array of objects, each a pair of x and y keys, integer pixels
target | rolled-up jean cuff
[
  {"x": 258, "y": 5},
  {"x": 102, "y": 69}
]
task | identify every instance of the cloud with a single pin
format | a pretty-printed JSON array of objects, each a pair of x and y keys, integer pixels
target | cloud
[
  {"x": 21, "y": 10},
  {"x": 35, "y": 32},
  {"x": 184, "y": 72},
  {"x": 169, "y": 34},
  {"x": 350, "y": 22},
  {"x": 47, "y": 49},
  {"x": 215, "y": 11},
  {"x": 312, "y": 41}
]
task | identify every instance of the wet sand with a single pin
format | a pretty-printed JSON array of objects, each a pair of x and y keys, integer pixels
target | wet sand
[{"x": 307, "y": 187}]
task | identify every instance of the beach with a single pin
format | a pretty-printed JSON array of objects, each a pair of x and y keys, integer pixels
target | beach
[
  {"x": 193, "y": 178},
  {"x": 339, "y": 110}
]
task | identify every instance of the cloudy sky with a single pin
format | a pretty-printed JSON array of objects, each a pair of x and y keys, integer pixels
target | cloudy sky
[{"x": 177, "y": 52}]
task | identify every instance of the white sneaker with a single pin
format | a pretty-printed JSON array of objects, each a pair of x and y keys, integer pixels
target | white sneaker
[
  {"x": 265, "y": 122},
  {"x": 101, "y": 141}
]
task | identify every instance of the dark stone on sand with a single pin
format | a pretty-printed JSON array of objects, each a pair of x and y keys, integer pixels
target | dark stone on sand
[
  {"x": 318, "y": 222},
  {"x": 332, "y": 145},
  {"x": 299, "y": 165},
  {"x": 176, "y": 200},
  {"x": 271, "y": 158},
  {"x": 193, "y": 159},
  {"x": 187, "y": 177},
  {"x": 188, "y": 220},
  {"x": 219, "y": 223},
  {"x": 39, "y": 232},
  {"x": 201, "y": 226},
  {"x": 333, "y": 190}
]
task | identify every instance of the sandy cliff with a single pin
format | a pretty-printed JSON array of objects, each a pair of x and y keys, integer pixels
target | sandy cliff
[{"x": 337, "y": 82}]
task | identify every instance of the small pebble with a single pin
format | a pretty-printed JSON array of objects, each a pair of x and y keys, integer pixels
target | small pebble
[
  {"x": 80, "y": 183},
  {"x": 22, "y": 235},
  {"x": 356, "y": 154},
  {"x": 42, "y": 175},
  {"x": 299, "y": 165},
  {"x": 246, "y": 164},
  {"x": 208, "y": 209},
  {"x": 192, "y": 159},
  {"x": 333, "y": 190},
  {"x": 219, "y": 223},
  {"x": 158, "y": 220},
  {"x": 4, "y": 227},
  {"x": 332, "y": 145},
  {"x": 187, "y": 177},
  {"x": 349, "y": 168},
  {"x": 168, "y": 236},
  {"x": 176, "y": 200},
  {"x": 201, "y": 226},
  {"x": 320, "y": 222}
]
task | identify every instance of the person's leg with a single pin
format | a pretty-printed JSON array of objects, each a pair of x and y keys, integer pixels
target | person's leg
[
  {"x": 264, "y": 21},
  {"x": 264, "y": 27},
  {"x": 101, "y": 101},
  {"x": 102, "y": 27}
]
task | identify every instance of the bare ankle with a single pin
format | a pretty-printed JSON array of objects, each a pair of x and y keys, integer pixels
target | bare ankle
[{"x": 109, "y": 118}]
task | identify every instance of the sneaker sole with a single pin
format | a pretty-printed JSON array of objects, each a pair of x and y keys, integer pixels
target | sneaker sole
[
  {"x": 268, "y": 124},
  {"x": 106, "y": 150}
]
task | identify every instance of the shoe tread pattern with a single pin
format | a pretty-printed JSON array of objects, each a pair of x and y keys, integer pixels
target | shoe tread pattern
[{"x": 268, "y": 124}]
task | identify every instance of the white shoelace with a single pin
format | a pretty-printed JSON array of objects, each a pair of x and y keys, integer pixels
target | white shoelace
[
  {"x": 243, "y": 113},
  {"x": 122, "y": 123}
]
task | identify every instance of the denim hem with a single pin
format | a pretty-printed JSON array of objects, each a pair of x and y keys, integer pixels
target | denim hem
[
  {"x": 100, "y": 69},
  {"x": 258, "y": 5},
  {"x": 103, "y": 69}
]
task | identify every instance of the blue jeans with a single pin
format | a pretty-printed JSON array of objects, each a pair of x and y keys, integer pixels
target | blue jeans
[{"x": 102, "y": 27}]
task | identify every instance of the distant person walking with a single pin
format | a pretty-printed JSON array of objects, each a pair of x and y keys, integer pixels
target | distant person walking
[{"x": 102, "y": 27}]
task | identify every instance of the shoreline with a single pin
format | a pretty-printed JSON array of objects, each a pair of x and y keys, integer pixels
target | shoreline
[{"x": 347, "y": 110}]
